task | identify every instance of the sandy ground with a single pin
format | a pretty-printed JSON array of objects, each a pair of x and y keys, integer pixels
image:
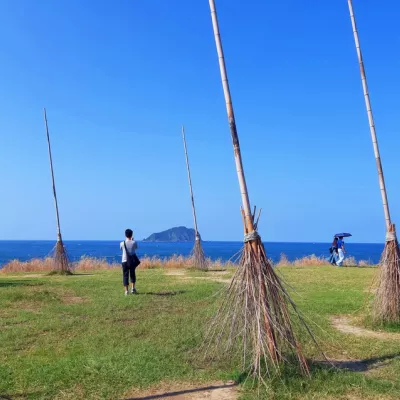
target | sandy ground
[
  {"x": 343, "y": 324},
  {"x": 180, "y": 391},
  {"x": 216, "y": 276}
]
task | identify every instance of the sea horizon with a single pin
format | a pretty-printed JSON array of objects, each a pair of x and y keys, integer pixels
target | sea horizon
[
  {"x": 188, "y": 241},
  {"x": 25, "y": 250}
]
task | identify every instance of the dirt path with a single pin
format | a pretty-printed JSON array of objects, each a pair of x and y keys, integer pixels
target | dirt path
[
  {"x": 177, "y": 391},
  {"x": 214, "y": 279},
  {"x": 176, "y": 272},
  {"x": 215, "y": 276},
  {"x": 343, "y": 324}
]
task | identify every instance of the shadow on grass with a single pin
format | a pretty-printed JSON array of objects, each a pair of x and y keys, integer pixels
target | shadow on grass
[
  {"x": 17, "y": 396},
  {"x": 365, "y": 365},
  {"x": 60, "y": 273},
  {"x": 183, "y": 392},
  {"x": 164, "y": 293},
  {"x": 25, "y": 282}
]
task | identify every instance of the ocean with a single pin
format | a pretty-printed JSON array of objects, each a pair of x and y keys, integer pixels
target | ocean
[{"x": 109, "y": 250}]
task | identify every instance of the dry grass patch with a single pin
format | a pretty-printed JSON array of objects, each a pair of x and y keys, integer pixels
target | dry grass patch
[
  {"x": 34, "y": 265},
  {"x": 88, "y": 264},
  {"x": 73, "y": 299},
  {"x": 319, "y": 261},
  {"x": 33, "y": 307}
]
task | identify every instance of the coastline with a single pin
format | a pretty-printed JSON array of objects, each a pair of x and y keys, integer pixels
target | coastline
[{"x": 215, "y": 250}]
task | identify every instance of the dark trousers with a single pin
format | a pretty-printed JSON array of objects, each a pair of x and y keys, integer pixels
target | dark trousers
[{"x": 126, "y": 271}]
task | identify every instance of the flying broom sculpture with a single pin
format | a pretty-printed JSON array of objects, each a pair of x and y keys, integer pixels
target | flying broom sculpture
[
  {"x": 255, "y": 316},
  {"x": 199, "y": 259},
  {"x": 387, "y": 300},
  {"x": 61, "y": 263}
]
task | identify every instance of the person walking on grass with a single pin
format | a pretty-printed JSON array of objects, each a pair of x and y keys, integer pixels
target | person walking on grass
[
  {"x": 128, "y": 247},
  {"x": 341, "y": 251},
  {"x": 334, "y": 251}
]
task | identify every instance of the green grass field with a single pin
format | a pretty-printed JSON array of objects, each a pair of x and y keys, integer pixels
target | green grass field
[{"x": 79, "y": 337}]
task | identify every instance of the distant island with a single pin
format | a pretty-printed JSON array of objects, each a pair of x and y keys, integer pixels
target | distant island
[{"x": 178, "y": 234}]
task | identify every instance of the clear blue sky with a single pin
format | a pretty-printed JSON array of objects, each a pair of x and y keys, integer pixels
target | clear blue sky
[{"x": 118, "y": 78}]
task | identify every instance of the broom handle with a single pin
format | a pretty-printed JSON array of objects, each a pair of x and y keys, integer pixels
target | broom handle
[
  {"x": 52, "y": 177},
  {"x": 371, "y": 119},
  {"x": 190, "y": 180},
  {"x": 232, "y": 123}
]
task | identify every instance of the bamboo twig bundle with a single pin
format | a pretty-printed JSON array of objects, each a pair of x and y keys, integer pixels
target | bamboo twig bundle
[
  {"x": 198, "y": 257},
  {"x": 387, "y": 300},
  {"x": 61, "y": 262},
  {"x": 255, "y": 316}
]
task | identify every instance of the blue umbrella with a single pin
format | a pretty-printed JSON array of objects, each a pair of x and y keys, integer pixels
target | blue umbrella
[{"x": 343, "y": 234}]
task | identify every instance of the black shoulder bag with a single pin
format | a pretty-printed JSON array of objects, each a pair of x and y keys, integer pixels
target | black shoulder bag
[{"x": 131, "y": 259}]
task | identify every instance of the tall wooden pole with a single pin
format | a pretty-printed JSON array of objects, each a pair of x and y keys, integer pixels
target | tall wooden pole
[
  {"x": 249, "y": 224},
  {"x": 52, "y": 178},
  {"x": 190, "y": 183},
  {"x": 371, "y": 121}
]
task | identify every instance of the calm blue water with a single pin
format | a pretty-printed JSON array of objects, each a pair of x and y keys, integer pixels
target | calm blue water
[{"x": 26, "y": 250}]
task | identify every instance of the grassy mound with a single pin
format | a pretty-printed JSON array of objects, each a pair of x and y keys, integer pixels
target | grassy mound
[{"x": 79, "y": 337}]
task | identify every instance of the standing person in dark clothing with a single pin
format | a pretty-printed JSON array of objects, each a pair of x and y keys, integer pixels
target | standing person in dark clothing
[
  {"x": 128, "y": 247},
  {"x": 334, "y": 251}
]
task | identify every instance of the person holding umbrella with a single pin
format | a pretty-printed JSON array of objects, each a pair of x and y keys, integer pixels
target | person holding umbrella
[
  {"x": 341, "y": 248},
  {"x": 341, "y": 251}
]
